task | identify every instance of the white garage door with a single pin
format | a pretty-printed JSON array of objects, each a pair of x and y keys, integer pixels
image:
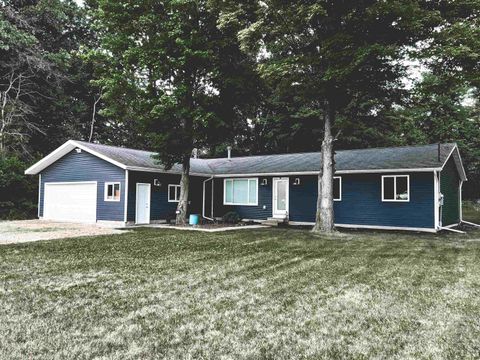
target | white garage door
[{"x": 75, "y": 201}]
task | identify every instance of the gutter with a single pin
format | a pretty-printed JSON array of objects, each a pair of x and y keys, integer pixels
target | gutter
[{"x": 203, "y": 199}]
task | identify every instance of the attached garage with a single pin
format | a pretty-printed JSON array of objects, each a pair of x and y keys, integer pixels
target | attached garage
[{"x": 73, "y": 201}]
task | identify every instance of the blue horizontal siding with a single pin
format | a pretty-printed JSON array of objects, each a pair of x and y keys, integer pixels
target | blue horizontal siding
[
  {"x": 361, "y": 202},
  {"x": 86, "y": 167},
  {"x": 160, "y": 208},
  {"x": 261, "y": 211}
]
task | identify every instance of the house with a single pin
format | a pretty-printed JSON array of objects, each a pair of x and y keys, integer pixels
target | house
[{"x": 405, "y": 188}]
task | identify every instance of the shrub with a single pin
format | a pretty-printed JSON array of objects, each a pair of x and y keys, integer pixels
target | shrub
[{"x": 231, "y": 217}]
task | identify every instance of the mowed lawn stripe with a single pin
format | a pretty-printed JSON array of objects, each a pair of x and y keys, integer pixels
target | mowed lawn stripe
[{"x": 273, "y": 293}]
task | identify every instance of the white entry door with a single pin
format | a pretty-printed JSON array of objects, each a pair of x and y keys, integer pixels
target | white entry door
[
  {"x": 73, "y": 201},
  {"x": 280, "y": 197},
  {"x": 142, "y": 213}
]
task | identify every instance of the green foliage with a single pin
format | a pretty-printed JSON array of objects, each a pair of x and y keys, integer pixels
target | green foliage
[
  {"x": 231, "y": 217},
  {"x": 18, "y": 193},
  {"x": 173, "y": 69}
]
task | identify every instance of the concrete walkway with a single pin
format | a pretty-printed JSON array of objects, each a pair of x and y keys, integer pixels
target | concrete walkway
[{"x": 13, "y": 232}]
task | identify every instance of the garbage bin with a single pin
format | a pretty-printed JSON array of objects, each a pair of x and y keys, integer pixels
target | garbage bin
[{"x": 194, "y": 219}]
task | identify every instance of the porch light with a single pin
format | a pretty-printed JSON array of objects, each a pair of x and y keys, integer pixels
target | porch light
[
  {"x": 264, "y": 181},
  {"x": 296, "y": 181},
  {"x": 156, "y": 182}
]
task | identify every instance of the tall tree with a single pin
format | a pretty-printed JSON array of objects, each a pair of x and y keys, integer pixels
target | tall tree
[
  {"x": 177, "y": 72},
  {"x": 44, "y": 89},
  {"x": 326, "y": 54}
]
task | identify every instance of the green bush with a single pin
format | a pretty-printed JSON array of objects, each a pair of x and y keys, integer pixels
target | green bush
[
  {"x": 18, "y": 192},
  {"x": 231, "y": 217}
]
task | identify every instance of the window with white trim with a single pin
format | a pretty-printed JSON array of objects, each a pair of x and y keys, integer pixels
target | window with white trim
[
  {"x": 240, "y": 191},
  {"x": 112, "y": 191},
  {"x": 173, "y": 193},
  {"x": 396, "y": 188},
  {"x": 337, "y": 188}
]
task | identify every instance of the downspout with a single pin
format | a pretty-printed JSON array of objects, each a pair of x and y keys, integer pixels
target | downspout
[
  {"x": 436, "y": 201},
  {"x": 203, "y": 201},
  {"x": 460, "y": 207},
  {"x": 125, "y": 210}
]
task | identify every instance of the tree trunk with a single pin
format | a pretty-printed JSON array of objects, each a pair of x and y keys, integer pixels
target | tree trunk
[
  {"x": 324, "y": 221},
  {"x": 182, "y": 208}
]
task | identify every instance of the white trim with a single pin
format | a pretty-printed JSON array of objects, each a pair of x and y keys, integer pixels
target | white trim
[
  {"x": 372, "y": 227},
  {"x": 275, "y": 180},
  {"x": 248, "y": 187},
  {"x": 168, "y": 193},
  {"x": 436, "y": 200},
  {"x": 458, "y": 164},
  {"x": 105, "y": 191},
  {"x": 162, "y": 171},
  {"x": 39, "y": 193},
  {"x": 337, "y": 172},
  {"x": 203, "y": 198},
  {"x": 149, "y": 203},
  {"x": 213, "y": 188},
  {"x": 125, "y": 210},
  {"x": 460, "y": 202},
  {"x": 69, "y": 182},
  {"x": 62, "y": 151},
  {"x": 395, "y": 188},
  {"x": 340, "y": 198}
]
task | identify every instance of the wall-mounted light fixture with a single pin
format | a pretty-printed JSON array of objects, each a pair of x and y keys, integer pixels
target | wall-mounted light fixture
[
  {"x": 296, "y": 181},
  {"x": 264, "y": 181},
  {"x": 156, "y": 182},
  {"x": 78, "y": 150}
]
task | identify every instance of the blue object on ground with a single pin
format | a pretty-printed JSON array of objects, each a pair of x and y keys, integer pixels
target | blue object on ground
[{"x": 194, "y": 219}]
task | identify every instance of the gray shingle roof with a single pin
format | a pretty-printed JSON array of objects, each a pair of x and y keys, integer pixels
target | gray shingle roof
[{"x": 394, "y": 158}]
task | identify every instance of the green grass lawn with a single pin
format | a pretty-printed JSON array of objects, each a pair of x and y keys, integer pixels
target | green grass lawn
[{"x": 274, "y": 293}]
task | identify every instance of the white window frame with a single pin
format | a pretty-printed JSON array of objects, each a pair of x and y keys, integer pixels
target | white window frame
[
  {"x": 179, "y": 189},
  {"x": 395, "y": 188},
  {"x": 105, "y": 191},
  {"x": 240, "y": 204},
  {"x": 340, "y": 188}
]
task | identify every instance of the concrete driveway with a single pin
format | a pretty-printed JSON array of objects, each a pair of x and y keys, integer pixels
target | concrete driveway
[{"x": 12, "y": 232}]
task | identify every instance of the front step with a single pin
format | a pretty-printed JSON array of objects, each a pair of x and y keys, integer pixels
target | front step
[{"x": 274, "y": 221}]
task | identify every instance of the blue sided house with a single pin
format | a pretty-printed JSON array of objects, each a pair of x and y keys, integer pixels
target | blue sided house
[{"x": 401, "y": 188}]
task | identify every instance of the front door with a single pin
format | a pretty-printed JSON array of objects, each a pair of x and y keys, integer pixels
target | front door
[
  {"x": 142, "y": 213},
  {"x": 280, "y": 197}
]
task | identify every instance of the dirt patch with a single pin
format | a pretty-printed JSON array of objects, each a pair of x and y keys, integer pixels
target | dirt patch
[{"x": 12, "y": 232}]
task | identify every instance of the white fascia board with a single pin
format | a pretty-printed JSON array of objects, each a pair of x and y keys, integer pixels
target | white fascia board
[
  {"x": 162, "y": 171},
  {"x": 50, "y": 158},
  {"x": 338, "y": 172},
  {"x": 62, "y": 151},
  {"x": 458, "y": 163}
]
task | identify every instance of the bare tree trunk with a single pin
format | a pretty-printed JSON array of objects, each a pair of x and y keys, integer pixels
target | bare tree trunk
[
  {"x": 324, "y": 221},
  {"x": 94, "y": 112},
  {"x": 182, "y": 208}
]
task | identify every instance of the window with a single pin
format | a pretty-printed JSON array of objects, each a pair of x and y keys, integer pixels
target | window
[
  {"x": 173, "y": 193},
  {"x": 240, "y": 191},
  {"x": 337, "y": 188},
  {"x": 112, "y": 192},
  {"x": 396, "y": 188}
]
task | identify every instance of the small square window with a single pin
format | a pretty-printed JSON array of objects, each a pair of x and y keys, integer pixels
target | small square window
[
  {"x": 173, "y": 193},
  {"x": 112, "y": 192},
  {"x": 396, "y": 188}
]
